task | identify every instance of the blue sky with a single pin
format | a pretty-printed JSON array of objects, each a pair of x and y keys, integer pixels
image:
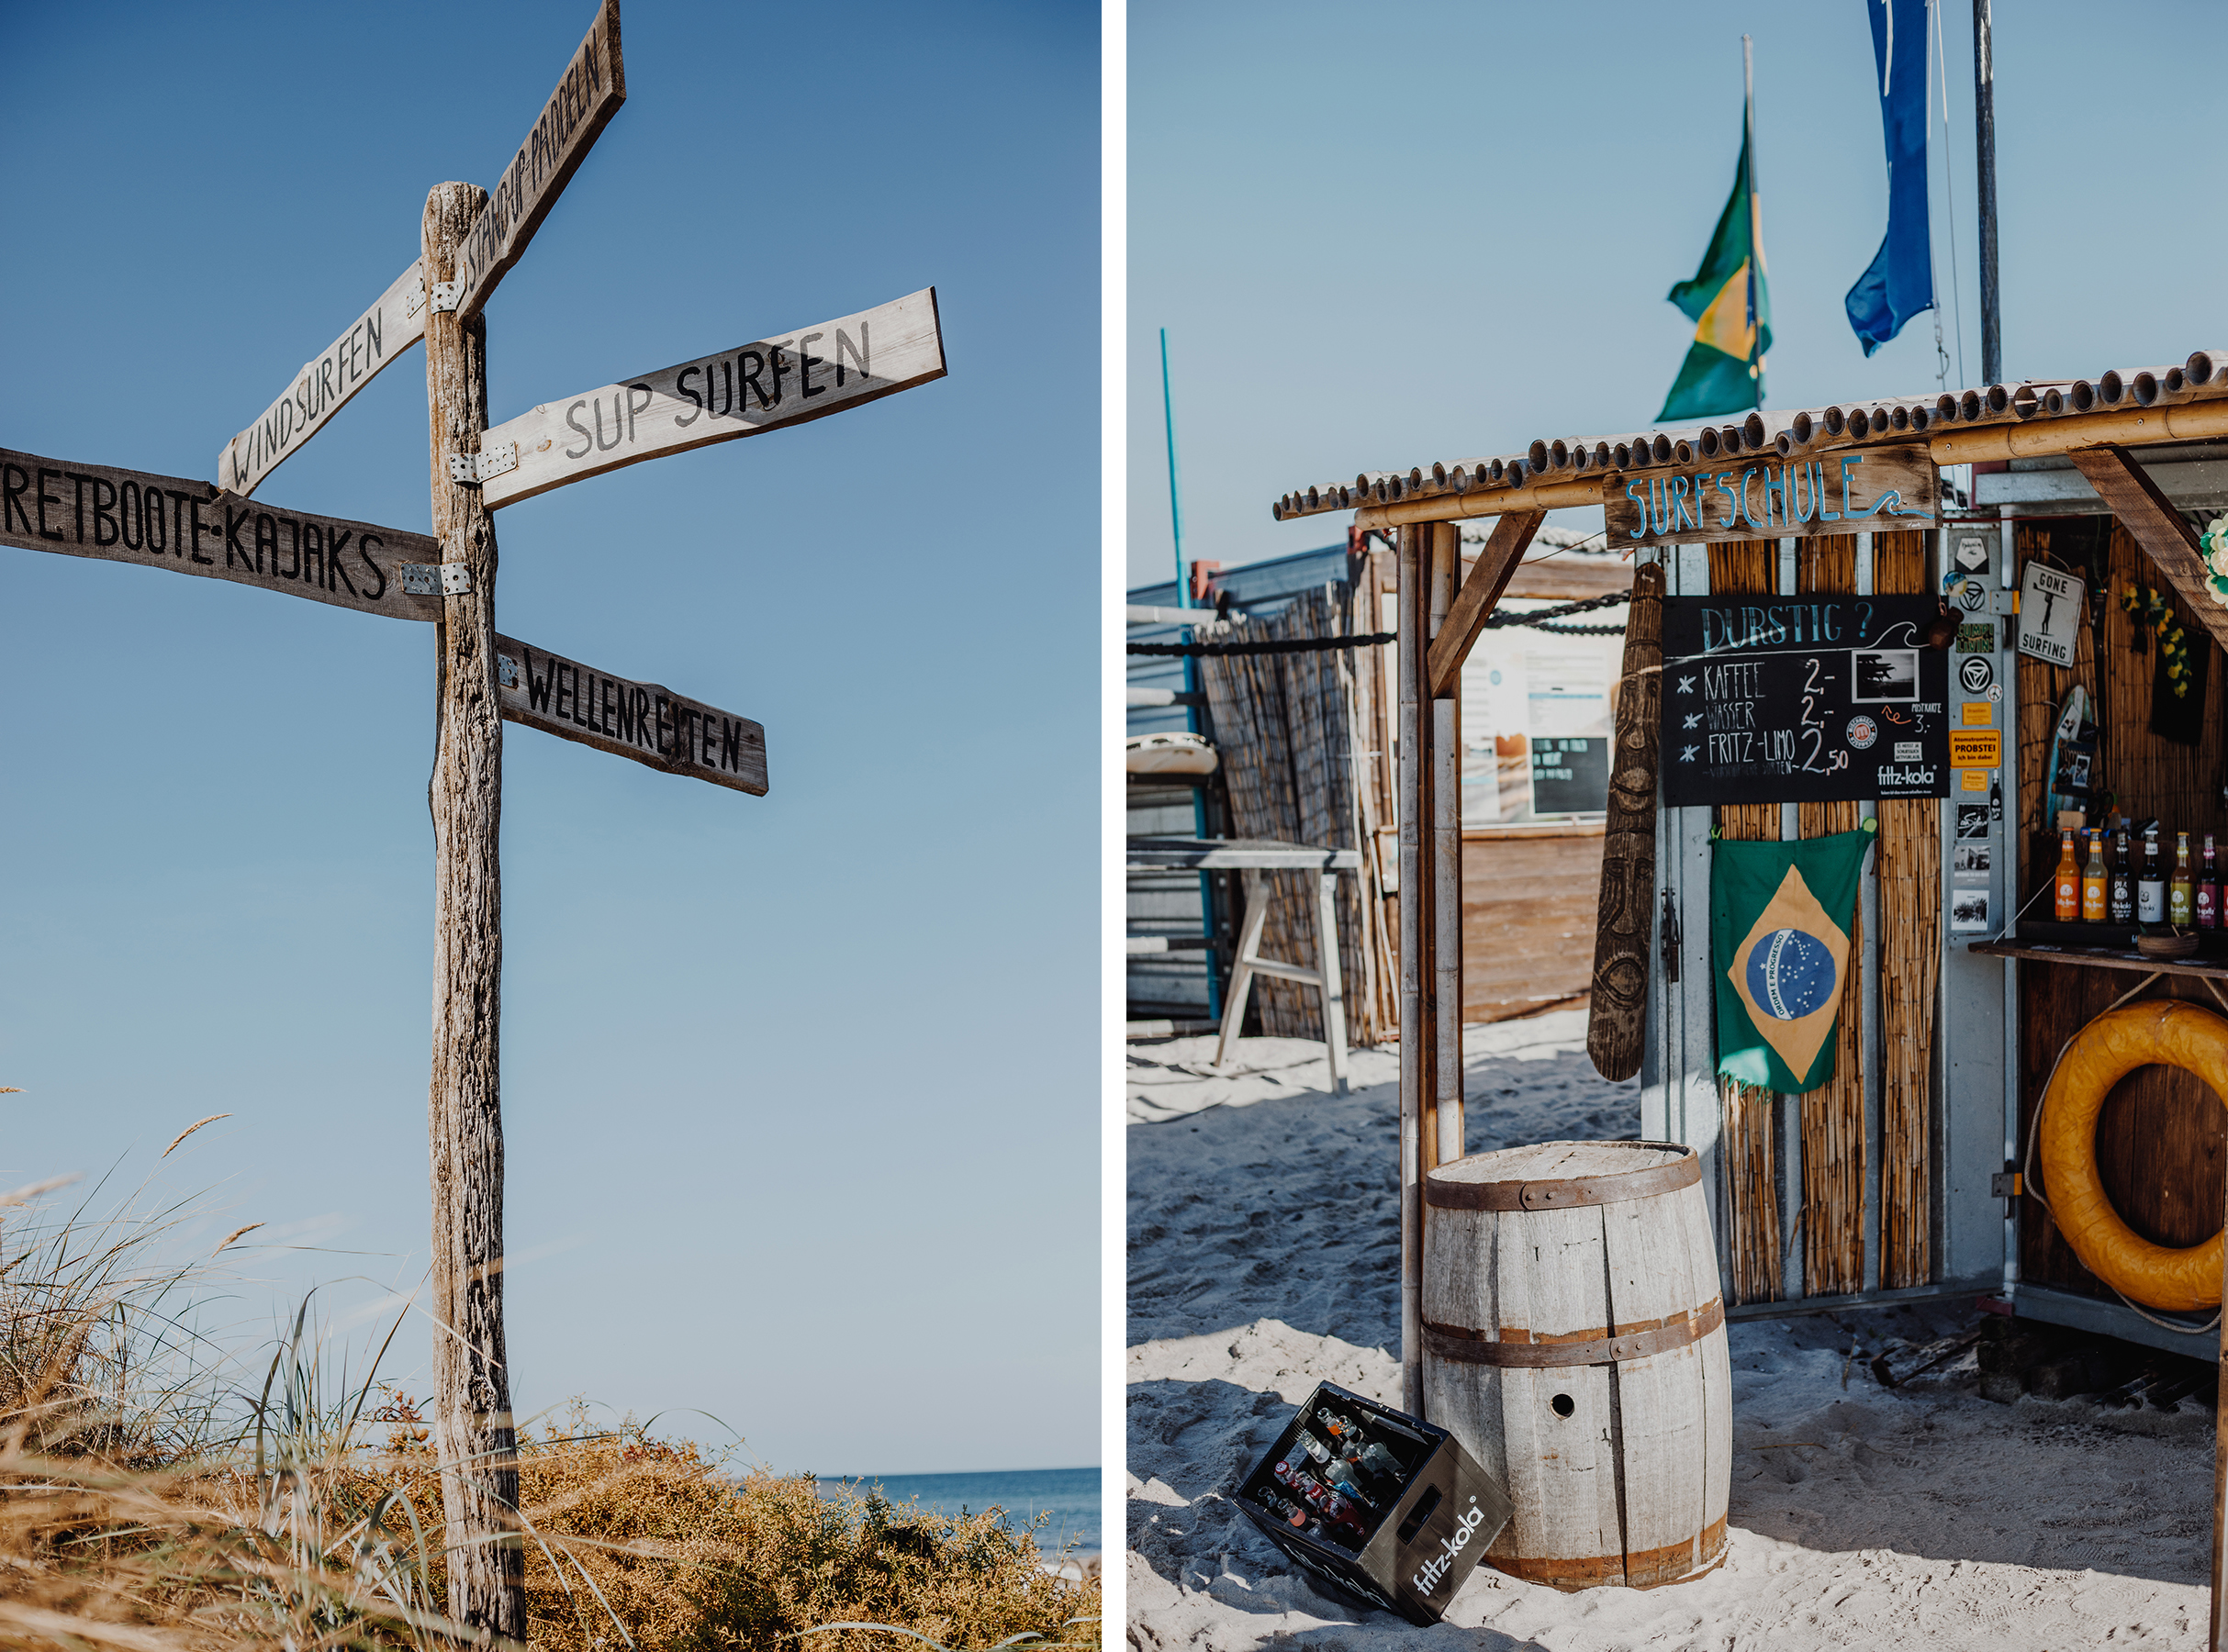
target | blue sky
[
  {"x": 799, "y": 1091},
  {"x": 1379, "y": 236}
]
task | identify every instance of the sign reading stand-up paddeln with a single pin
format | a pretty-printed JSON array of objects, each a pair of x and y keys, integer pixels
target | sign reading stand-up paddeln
[{"x": 1804, "y": 700}]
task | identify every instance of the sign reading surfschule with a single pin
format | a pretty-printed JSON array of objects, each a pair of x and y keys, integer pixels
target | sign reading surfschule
[{"x": 1863, "y": 491}]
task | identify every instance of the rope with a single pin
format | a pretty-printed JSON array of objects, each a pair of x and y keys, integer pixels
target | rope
[
  {"x": 2027, "y": 1181},
  {"x": 1274, "y": 645},
  {"x": 1536, "y": 620}
]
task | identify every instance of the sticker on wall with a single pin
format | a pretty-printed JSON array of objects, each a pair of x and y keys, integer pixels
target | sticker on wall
[
  {"x": 1972, "y": 823},
  {"x": 1976, "y": 673},
  {"x": 1970, "y": 911}
]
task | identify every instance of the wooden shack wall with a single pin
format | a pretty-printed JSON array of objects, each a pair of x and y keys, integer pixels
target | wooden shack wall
[{"x": 2161, "y": 1137}]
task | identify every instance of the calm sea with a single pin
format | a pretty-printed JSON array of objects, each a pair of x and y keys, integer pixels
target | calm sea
[{"x": 1070, "y": 1496}]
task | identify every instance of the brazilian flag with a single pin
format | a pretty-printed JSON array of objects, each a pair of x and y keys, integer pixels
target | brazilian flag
[
  {"x": 1779, "y": 917},
  {"x": 1724, "y": 369}
]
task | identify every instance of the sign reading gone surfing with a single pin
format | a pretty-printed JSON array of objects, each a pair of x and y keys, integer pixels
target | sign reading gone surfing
[
  {"x": 1865, "y": 490},
  {"x": 806, "y": 374}
]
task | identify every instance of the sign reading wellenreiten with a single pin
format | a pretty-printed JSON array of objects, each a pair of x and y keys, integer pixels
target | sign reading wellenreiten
[
  {"x": 645, "y": 721},
  {"x": 589, "y": 94},
  {"x": 1854, "y": 490},
  {"x": 805, "y": 375}
]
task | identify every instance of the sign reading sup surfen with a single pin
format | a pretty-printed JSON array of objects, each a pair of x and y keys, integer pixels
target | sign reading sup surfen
[{"x": 1875, "y": 489}]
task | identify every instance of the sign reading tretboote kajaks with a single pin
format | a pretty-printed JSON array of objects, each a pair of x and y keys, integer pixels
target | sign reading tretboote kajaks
[
  {"x": 1867, "y": 490},
  {"x": 1805, "y": 699}
]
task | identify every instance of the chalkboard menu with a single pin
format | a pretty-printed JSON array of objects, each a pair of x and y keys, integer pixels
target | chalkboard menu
[{"x": 1807, "y": 700}]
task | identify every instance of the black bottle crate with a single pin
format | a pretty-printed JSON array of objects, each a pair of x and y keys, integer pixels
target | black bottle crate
[{"x": 1434, "y": 1514}]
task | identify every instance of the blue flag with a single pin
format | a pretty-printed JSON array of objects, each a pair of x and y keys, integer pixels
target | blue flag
[{"x": 1900, "y": 282}]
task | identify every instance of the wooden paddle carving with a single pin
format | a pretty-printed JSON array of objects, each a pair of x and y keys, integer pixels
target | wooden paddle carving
[{"x": 1616, "y": 1027}]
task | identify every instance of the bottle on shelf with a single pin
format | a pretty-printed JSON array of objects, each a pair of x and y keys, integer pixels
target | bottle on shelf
[
  {"x": 2094, "y": 879},
  {"x": 2181, "y": 894},
  {"x": 2151, "y": 886},
  {"x": 2068, "y": 907},
  {"x": 2119, "y": 901},
  {"x": 2209, "y": 889}
]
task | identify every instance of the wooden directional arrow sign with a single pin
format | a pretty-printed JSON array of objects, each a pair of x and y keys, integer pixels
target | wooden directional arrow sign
[
  {"x": 187, "y": 527},
  {"x": 593, "y": 87},
  {"x": 642, "y": 721},
  {"x": 323, "y": 386},
  {"x": 805, "y": 375}
]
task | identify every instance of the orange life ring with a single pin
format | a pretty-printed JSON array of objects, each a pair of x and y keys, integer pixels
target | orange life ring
[{"x": 2160, "y": 1032}]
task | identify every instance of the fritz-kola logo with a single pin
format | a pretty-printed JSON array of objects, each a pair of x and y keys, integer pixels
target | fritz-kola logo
[{"x": 1428, "y": 1576}]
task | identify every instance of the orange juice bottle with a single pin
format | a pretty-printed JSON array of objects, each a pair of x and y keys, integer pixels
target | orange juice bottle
[
  {"x": 2094, "y": 877},
  {"x": 2069, "y": 881}
]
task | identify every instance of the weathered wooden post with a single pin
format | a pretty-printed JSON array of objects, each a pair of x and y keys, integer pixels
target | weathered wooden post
[
  {"x": 1445, "y": 1144},
  {"x": 477, "y": 1443},
  {"x": 1417, "y": 1069}
]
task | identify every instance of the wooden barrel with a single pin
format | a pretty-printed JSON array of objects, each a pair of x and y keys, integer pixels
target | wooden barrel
[{"x": 1574, "y": 1344}]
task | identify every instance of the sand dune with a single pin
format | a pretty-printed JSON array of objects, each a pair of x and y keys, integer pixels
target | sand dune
[{"x": 1263, "y": 1258}]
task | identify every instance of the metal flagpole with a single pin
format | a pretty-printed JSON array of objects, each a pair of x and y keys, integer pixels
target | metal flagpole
[{"x": 1984, "y": 135}]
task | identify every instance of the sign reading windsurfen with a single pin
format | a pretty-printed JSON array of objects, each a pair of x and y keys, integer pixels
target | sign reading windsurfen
[{"x": 1870, "y": 490}]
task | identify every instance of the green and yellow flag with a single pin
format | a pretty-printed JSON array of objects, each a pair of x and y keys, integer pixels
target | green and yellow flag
[
  {"x": 1779, "y": 917},
  {"x": 1732, "y": 313}
]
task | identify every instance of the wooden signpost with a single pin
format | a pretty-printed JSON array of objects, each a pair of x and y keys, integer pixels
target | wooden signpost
[
  {"x": 806, "y": 374},
  {"x": 469, "y": 239}
]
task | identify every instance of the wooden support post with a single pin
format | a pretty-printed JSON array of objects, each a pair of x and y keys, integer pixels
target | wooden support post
[
  {"x": 2163, "y": 531},
  {"x": 1465, "y": 620},
  {"x": 1445, "y": 1144},
  {"x": 472, "y": 1420},
  {"x": 1416, "y": 1068}
]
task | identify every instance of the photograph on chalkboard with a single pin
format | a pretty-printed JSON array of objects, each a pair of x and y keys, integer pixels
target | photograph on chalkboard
[
  {"x": 1818, "y": 699},
  {"x": 1884, "y": 673}
]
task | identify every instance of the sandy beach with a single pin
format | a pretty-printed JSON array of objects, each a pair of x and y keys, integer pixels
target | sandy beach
[{"x": 1264, "y": 1246}]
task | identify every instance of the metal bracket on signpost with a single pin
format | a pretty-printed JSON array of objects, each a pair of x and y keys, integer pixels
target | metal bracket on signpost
[
  {"x": 485, "y": 465},
  {"x": 433, "y": 579},
  {"x": 506, "y": 670},
  {"x": 447, "y": 295}
]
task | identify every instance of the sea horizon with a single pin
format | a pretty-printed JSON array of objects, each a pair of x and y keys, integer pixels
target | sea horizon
[{"x": 1068, "y": 1497}]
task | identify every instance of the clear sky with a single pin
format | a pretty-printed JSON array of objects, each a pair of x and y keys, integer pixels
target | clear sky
[
  {"x": 799, "y": 1091},
  {"x": 1385, "y": 235}
]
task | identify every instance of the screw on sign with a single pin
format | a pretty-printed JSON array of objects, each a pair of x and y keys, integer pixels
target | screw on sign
[{"x": 467, "y": 239}]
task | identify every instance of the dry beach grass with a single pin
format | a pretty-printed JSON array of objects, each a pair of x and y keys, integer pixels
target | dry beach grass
[{"x": 149, "y": 1504}]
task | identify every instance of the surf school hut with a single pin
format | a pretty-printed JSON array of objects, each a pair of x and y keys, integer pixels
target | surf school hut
[{"x": 1825, "y": 633}]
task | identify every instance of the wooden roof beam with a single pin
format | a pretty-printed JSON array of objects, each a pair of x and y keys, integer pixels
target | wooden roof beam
[
  {"x": 1489, "y": 577},
  {"x": 2163, "y": 531}
]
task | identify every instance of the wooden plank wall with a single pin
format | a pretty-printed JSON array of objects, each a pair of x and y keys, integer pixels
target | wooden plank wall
[
  {"x": 1909, "y": 863},
  {"x": 1834, "y": 1113},
  {"x": 1752, "y": 1171},
  {"x": 2162, "y": 1138},
  {"x": 1530, "y": 903},
  {"x": 1284, "y": 725}
]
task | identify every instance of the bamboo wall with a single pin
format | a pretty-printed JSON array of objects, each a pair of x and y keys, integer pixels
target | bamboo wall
[
  {"x": 1834, "y": 1126},
  {"x": 1752, "y": 1116},
  {"x": 1284, "y": 725}
]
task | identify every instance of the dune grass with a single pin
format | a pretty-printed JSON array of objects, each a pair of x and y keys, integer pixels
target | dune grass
[{"x": 156, "y": 1496}]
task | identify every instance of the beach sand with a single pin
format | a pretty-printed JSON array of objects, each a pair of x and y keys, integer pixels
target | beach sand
[{"x": 1264, "y": 1258}]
